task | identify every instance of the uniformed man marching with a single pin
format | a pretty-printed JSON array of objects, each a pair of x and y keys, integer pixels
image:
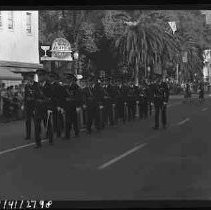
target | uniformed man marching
[
  {"x": 99, "y": 95},
  {"x": 89, "y": 104},
  {"x": 29, "y": 101},
  {"x": 161, "y": 95},
  {"x": 73, "y": 100},
  {"x": 40, "y": 110}
]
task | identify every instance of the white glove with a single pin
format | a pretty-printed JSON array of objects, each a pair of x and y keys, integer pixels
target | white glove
[
  {"x": 84, "y": 106},
  {"x": 49, "y": 112},
  {"x": 101, "y": 107},
  {"x": 78, "y": 109}
]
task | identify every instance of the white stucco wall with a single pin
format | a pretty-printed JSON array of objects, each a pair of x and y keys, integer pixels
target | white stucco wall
[{"x": 17, "y": 45}]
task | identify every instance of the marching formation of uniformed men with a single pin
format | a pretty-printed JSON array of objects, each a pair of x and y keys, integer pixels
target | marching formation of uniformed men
[{"x": 57, "y": 104}]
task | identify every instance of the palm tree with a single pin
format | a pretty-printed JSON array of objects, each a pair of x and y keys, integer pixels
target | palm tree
[{"x": 145, "y": 42}]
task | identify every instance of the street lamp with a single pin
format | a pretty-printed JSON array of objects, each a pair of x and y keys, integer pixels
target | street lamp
[{"x": 75, "y": 55}]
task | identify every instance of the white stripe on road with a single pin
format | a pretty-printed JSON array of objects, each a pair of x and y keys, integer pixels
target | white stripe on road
[
  {"x": 184, "y": 121},
  {"x": 204, "y": 109},
  {"x": 121, "y": 156},
  {"x": 31, "y": 144},
  {"x": 19, "y": 147}
]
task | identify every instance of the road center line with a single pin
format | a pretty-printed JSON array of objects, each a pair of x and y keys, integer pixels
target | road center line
[
  {"x": 31, "y": 144},
  {"x": 114, "y": 160},
  {"x": 184, "y": 121},
  {"x": 19, "y": 147},
  {"x": 121, "y": 156},
  {"x": 204, "y": 109}
]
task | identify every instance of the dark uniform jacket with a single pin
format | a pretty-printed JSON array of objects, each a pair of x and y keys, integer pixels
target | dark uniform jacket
[
  {"x": 41, "y": 101},
  {"x": 73, "y": 97},
  {"x": 112, "y": 92},
  {"x": 88, "y": 97},
  {"x": 59, "y": 93},
  {"x": 29, "y": 97},
  {"x": 99, "y": 93}
]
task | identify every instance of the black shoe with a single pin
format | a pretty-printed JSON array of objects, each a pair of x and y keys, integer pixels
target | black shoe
[
  {"x": 164, "y": 126},
  {"x": 37, "y": 146},
  {"x": 51, "y": 143},
  {"x": 27, "y": 138},
  {"x": 77, "y": 135},
  {"x": 67, "y": 138},
  {"x": 155, "y": 128}
]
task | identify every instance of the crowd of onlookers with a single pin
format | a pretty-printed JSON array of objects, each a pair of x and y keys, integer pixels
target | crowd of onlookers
[{"x": 11, "y": 101}]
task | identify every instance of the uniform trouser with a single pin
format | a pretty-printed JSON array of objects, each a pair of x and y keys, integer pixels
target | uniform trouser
[
  {"x": 99, "y": 121},
  {"x": 119, "y": 109},
  {"x": 108, "y": 114},
  {"x": 163, "y": 110},
  {"x": 55, "y": 114},
  {"x": 58, "y": 122},
  {"x": 71, "y": 120},
  {"x": 131, "y": 110},
  {"x": 150, "y": 108},
  {"x": 141, "y": 112},
  {"x": 91, "y": 116},
  {"x": 145, "y": 109},
  {"x": 37, "y": 125},
  {"x": 37, "y": 129},
  {"x": 28, "y": 117}
]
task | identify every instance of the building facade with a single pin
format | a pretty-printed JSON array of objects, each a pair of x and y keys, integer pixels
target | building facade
[
  {"x": 19, "y": 44},
  {"x": 207, "y": 66}
]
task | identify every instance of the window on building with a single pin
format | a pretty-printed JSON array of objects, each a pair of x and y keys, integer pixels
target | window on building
[
  {"x": 28, "y": 22},
  {"x": 10, "y": 20},
  {"x": 0, "y": 19}
]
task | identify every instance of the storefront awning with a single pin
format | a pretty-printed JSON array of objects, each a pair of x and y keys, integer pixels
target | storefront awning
[
  {"x": 20, "y": 64},
  {"x": 7, "y": 74}
]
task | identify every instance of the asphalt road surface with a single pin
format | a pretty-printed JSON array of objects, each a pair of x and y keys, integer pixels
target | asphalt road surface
[{"x": 125, "y": 162}]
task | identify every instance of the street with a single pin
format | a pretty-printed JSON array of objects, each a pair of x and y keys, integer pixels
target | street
[{"x": 124, "y": 162}]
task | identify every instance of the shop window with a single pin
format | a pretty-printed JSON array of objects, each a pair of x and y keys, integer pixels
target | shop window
[
  {"x": 28, "y": 22},
  {"x": 10, "y": 20}
]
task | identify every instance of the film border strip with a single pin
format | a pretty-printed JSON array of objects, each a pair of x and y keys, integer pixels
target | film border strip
[{"x": 25, "y": 204}]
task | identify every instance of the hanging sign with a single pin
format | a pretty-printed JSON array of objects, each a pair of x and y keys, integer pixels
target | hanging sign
[
  {"x": 61, "y": 48},
  {"x": 61, "y": 51}
]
